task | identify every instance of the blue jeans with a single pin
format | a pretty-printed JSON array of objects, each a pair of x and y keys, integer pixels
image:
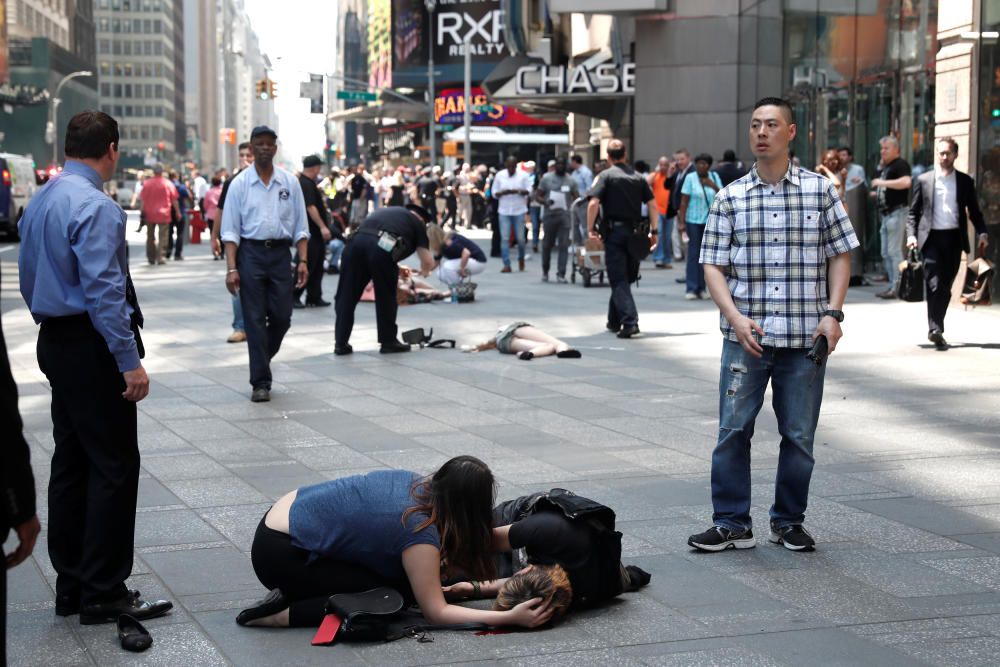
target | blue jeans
[
  {"x": 694, "y": 272},
  {"x": 535, "y": 212},
  {"x": 664, "y": 252},
  {"x": 238, "y": 314},
  {"x": 893, "y": 226},
  {"x": 797, "y": 385},
  {"x": 336, "y": 248},
  {"x": 506, "y": 223}
]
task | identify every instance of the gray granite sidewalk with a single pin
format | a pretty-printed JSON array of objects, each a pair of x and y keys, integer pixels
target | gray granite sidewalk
[{"x": 905, "y": 499}]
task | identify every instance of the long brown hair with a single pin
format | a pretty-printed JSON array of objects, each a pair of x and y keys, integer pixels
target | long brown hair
[{"x": 458, "y": 500}]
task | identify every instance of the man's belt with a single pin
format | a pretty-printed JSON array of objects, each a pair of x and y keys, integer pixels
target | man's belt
[
  {"x": 371, "y": 231},
  {"x": 268, "y": 243},
  {"x": 68, "y": 322},
  {"x": 624, "y": 223}
]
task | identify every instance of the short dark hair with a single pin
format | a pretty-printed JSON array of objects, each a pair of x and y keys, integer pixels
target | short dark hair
[
  {"x": 641, "y": 166},
  {"x": 216, "y": 181},
  {"x": 952, "y": 144},
  {"x": 704, "y": 157},
  {"x": 245, "y": 146},
  {"x": 616, "y": 149},
  {"x": 89, "y": 133},
  {"x": 846, "y": 149},
  {"x": 576, "y": 158},
  {"x": 779, "y": 102},
  {"x": 729, "y": 155}
]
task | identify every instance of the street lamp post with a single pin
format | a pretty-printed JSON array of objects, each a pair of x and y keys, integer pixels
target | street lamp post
[
  {"x": 431, "y": 6},
  {"x": 51, "y": 131}
]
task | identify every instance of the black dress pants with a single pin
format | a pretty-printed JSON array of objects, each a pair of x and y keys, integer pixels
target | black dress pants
[
  {"x": 308, "y": 583},
  {"x": 942, "y": 256},
  {"x": 95, "y": 463},
  {"x": 362, "y": 261},
  {"x": 315, "y": 253},
  {"x": 621, "y": 305},
  {"x": 266, "y": 295}
]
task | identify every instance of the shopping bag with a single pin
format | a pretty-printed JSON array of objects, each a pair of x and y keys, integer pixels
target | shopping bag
[
  {"x": 978, "y": 276},
  {"x": 911, "y": 278}
]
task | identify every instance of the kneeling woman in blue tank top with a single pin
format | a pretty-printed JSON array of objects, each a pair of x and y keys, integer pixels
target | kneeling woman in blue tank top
[{"x": 386, "y": 528}]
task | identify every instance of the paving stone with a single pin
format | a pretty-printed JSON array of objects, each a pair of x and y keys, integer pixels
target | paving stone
[
  {"x": 215, "y": 491},
  {"x": 159, "y": 528},
  {"x": 275, "y": 480},
  {"x": 190, "y": 572},
  {"x": 181, "y": 644},
  {"x": 237, "y": 523},
  {"x": 42, "y": 638},
  {"x": 182, "y": 466},
  {"x": 928, "y": 516}
]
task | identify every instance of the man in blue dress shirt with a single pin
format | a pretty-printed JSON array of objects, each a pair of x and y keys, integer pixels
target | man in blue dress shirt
[
  {"x": 74, "y": 278},
  {"x": 263, "y": 217}
]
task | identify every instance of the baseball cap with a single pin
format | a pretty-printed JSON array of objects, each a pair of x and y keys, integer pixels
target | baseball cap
[{"x": 261, "y": 130}]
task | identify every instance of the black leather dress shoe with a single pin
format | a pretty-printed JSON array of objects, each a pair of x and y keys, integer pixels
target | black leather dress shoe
[
  {"x": 394, "y": 347},
  {"x": 341, "y": 350},
  {"x": 613, "y": 328},
  {"x": 296, "y": 304},
  {"x": 67, "y": 605},
  {"x": 629, "y": 332},
  {"x": 132, "y": 635},
  {"x": 131, "y": 604},
  {"x": 317, "y": 304}
]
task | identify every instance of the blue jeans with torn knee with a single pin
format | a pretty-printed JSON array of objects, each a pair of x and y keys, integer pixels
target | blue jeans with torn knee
[{"x": 797, "y": 387}]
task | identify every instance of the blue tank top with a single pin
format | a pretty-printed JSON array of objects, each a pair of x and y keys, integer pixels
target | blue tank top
[{"x": 359, "y": 519}]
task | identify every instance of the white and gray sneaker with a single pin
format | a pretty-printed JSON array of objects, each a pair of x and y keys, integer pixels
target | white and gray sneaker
[
  {"x": 720, "y": 538},
  {"x": 793, "y": 537}
]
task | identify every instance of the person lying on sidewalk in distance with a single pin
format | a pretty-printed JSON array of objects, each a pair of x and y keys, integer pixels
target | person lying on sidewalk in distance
[
  {"x": 526, "y": 342},
  {"x": 386, "y": 528},
  {"x": 544, "y": 552}
]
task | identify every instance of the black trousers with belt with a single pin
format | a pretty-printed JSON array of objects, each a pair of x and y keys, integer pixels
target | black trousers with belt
[
  {"x": 315, "y": 253},
  {"x": 362, "y": 261},
  {"x": 95, "y": 463},
  {"x": 942, "y": 256},
  {"x": 621, "y": 305},
  {"x": 266, "y": 296}
]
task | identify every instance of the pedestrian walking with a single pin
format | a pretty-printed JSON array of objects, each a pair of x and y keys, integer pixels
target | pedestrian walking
[
  {"x": 159, "y": 207},
  {"x": 319, "y": 235},
  {"x": 659, "y": 182},
  {"x": 729, "y": 169},
  {"x": 582, "y": 173},
  {"x": 534, "y": 210},
  {"x": 511, "y": 188},
  {"x": 245, "y": 160},
  {"x": 944, "y": 202},
  {"x": 179, "y": 224},
  {"x": 556, "y": 191},
  {"x": 360, "y": 188},
  {"x": 263, "y": 217},
  {"x": 772, "y": 238},
  {"x": 891, "y": 195},
  {"x": 385, "y": 238},
  {"x": 17, "y": 487},
  {"x": 74, "y": 279},
  {"x": 427, "y": 192},
  {"x": 620, "y": 192},
  {"x": 856, "y": 202},
  {"x": 682, "y": 167},
  {"x": 697, "y": 194}
]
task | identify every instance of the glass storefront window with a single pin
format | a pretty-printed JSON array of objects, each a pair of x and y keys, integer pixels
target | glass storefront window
[{"x": 988, "y": 176}]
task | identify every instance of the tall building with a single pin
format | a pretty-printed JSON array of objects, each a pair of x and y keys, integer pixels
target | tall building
[
  {"x": 47, "y": 41},
  {"x": 141, "y": 76}
]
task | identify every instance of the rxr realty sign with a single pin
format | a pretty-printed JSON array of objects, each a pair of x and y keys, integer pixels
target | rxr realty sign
[
  {"x": 478, "y": 21},
  {"x": 604, "y": 79}
]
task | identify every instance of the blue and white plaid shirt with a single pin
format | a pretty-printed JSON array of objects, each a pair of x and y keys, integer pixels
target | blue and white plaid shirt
[{"x": 773, "y": 241}]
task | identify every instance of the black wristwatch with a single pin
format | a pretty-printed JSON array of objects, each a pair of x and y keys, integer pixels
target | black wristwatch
[{"x": 835, "y": 314}]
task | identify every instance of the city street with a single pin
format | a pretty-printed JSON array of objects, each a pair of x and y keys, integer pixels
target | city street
[{"x": 905, "y": 501}]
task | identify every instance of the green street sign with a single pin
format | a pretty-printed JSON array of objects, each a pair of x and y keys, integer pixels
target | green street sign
[{"x": 356, "y": 96}]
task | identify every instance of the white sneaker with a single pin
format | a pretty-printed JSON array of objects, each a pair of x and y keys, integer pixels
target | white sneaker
[{"x": 690, "y": 296}]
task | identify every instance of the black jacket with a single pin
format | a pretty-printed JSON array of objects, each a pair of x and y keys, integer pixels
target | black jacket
[
  {"x": 675, "y": 183},
  {"x": 17, "y": 485},
  {"x": 918, "y": 223}
]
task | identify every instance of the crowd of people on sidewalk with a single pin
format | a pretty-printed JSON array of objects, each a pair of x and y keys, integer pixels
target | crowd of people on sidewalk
[{"x": 771, "y": 244}]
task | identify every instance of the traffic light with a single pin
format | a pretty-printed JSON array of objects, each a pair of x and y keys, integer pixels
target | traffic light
[
  {"x": 262, "y": 89},
  {"x": 272, "y": 89}
]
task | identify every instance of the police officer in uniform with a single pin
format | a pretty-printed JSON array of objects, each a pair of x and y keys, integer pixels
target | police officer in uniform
[
  {"x": 386, "y": 237},
  {"x": 621, "y": 192}
]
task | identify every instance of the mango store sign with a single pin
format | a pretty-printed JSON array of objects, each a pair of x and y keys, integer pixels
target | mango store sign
[{"x": 600, "y": 79}]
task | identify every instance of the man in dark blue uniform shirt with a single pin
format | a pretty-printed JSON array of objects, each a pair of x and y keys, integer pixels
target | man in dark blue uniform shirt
[
  {"x": 74, "y": 278},
  {"x": 386, "y": 236}
]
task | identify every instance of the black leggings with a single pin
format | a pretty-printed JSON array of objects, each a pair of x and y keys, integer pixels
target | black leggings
[{"x": 279, "y": 564}]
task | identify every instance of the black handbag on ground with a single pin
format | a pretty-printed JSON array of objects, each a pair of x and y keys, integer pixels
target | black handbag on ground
[{"x": 911, "y": 278}]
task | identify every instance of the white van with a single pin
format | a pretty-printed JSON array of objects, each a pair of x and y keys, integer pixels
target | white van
[{"x": 18, "y": 184}]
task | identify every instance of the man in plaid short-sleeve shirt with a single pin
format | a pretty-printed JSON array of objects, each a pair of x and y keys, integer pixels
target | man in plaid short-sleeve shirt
[{"x": 771, "y": 240}]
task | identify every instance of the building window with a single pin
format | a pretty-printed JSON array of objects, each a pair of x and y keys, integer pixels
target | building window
[
  {"x": 117, "y": 90},
  {"x": 105, "y": 90},
  {"x": 128, "y": 69},
  {"x": 105, "y": 68},
  {"x": 104, "y": 46},
  {"x": 118, "y": 69},
  {"x": 159, "y": 91},
  {"x": 127, "y": 47}
]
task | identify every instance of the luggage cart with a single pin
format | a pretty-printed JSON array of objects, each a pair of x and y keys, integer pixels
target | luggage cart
[{"x": 587, "y": 253}]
